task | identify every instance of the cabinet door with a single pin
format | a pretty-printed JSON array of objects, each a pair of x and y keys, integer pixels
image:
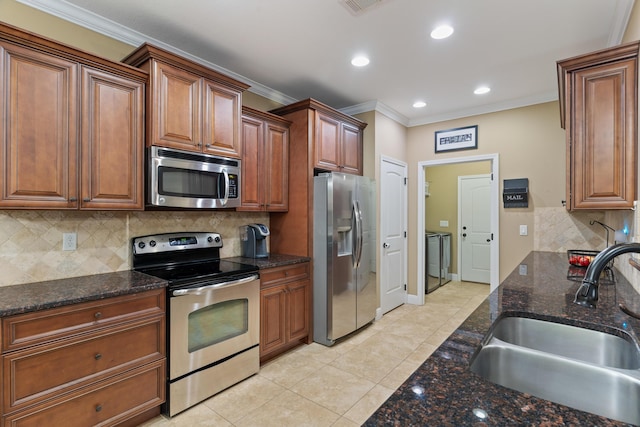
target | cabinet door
[
  {"x": 327, "y": 150},
  {"x": 273, "y": 321},
  {"x": 38, "y": 156},
  {"x": 298, "y": 306},
  {"x": 112, "y": 142},
  {"x": 252, "y": 181},
  {"x": 604, "y": 138},
  {"x": 351, "y": 149},
  {"x": 222, "y": 121},
  {"x": 176, "y": 105},
  {"x": 276, "y": 168}
]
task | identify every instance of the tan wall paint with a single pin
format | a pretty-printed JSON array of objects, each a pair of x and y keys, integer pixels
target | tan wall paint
[
  {"x": 368, "y": 144},
  {"x": 632, "y": 32},
  {"x": 530, "y": 144},
  {"x": 442, "y": 203}
]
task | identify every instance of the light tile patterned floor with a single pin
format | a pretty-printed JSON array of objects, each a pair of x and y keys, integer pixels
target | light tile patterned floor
[{"x": 342, "y": 385}]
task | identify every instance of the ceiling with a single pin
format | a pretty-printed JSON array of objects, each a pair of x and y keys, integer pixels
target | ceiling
[{"x": 289, "y": 50}]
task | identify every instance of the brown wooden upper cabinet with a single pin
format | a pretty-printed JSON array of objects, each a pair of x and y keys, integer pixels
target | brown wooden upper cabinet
[
  {"x": 337, "y": 144},
  {"x": 73, "y": 134},
  {"x": 598, "y": 109},
  {"x": 190, "y": 107},
  {"x": 265, "y": 162}
]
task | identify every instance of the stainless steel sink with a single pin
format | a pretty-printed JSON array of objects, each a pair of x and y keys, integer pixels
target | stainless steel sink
[
  {"x": 577, "y": 343},
  {"x": 587, "y": 370}
]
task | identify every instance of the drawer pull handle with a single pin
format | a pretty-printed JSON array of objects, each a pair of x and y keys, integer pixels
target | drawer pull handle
[
  {"x": 98, "y": 408},
  {"x": 98, "y": 356},
  {"x": 98, "y": 315}
]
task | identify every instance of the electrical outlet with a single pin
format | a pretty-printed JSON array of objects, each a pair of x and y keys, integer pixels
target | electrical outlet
[
  {"x": 444, "y": 223},
  {"x": 523, "y": 230},
  {"x": 523, "y": 269},
  {"x": 69, "y": 241}
]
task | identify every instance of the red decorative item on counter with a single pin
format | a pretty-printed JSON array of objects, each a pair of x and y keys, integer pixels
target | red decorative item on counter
[{"x": 580, "y": 258}]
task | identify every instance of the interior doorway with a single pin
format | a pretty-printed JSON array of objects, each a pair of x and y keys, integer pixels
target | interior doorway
[{"x": 492, "y": 161}]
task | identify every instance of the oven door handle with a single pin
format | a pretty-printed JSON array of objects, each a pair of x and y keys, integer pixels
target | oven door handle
[{"x": 205, "y": 289}]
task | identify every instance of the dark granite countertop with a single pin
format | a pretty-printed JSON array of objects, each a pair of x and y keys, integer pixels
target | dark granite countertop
[
  {"x": 271, "y": 261},
  {"x": 28, "y": 297},
  {"x": 443, "y": 391}
]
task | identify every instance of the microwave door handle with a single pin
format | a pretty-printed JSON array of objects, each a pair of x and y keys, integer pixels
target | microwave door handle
[
  {"x": 205, "y": 289},
  {"x": 226, "y": 187}
]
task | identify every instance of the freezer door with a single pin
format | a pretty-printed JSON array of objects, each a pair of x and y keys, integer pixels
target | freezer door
[{"x": 344, "y": 256}]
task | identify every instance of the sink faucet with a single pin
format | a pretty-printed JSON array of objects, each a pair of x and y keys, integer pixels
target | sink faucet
[{"x": 587, "y": 294}]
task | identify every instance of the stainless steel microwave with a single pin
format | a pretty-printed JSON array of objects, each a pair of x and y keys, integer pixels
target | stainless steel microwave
[{"x": 182, "y": 179}]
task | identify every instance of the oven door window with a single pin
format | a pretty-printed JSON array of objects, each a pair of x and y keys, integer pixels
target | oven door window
[
  {"x": 190, "y": 183},
  {"x": 218, "y": 322}
]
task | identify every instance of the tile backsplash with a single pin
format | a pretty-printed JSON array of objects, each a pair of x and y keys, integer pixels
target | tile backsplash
[
  {"x": 557, "y": 230},
  {"x": 31, "y": 241}
]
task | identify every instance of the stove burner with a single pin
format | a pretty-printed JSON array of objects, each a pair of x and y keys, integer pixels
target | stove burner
[{"x": 193, "y": 261}]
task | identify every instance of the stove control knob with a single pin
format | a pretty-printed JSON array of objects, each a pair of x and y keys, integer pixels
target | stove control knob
[
  {"x": 209, "y": 239},
  {"x": 152, "y": 243},
  {"x": 217, "y": 239},
  {"x": 141, "y": 245}
]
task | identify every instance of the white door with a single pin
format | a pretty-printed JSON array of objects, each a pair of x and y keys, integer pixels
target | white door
[
  {"x": 393, "y": 228},
  {"x": 474, "y": 194}
]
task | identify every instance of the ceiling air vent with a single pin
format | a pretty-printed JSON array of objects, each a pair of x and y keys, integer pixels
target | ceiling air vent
[{"x": 358, "y": 7}]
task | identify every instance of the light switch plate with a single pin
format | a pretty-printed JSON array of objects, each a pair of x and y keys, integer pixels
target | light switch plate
[
  {"x": 523, "y": 269},
  {"x": 444, "y": 223},
  {"x": 523, "y": 230}
]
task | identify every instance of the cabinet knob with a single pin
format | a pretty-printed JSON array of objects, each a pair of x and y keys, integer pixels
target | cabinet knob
[
  {"x": 208, "y": 145},
  {"x": 98, "y": 356},
  {"x": 86, "y": 199},
  {"x": 97, "y": 315},
  {"x": 98, "y": 408},
  {"x": 73, "y": 199}
]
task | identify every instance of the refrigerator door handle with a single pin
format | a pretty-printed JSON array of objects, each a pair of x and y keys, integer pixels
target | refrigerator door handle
[{"x": 357, "y": 213}]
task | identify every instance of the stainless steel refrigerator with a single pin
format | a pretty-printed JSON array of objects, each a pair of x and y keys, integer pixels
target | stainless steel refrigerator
[{"x": 344, "y": 282}]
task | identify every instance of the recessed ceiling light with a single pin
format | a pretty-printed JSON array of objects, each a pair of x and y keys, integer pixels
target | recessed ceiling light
[
  {"x": 419, "y": 104},
  {"x": 482, "y": 90},
  {"x": 442, "y": 32},
  {"x": 360, "y": 61}
]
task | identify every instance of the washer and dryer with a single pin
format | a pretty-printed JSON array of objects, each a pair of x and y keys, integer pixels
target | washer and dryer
[{"x": 437, "y": 259}]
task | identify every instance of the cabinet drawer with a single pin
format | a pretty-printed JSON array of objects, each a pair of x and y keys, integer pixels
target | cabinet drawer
[
  {"x": 284, "y": 274},
  {"x": 44, "y": 371},
  {"x": 33, "y": 328},
  {"x": 105, "y": 403}
]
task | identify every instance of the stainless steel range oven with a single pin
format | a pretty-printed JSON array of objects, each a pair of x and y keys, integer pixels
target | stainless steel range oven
[{"x": 213, "y": 327}]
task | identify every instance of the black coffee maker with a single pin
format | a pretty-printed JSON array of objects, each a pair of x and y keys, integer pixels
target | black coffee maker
[{"x": 253, "y": 238}]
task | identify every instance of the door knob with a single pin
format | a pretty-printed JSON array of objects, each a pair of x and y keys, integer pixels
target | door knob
[{"x": 385, "y": 245}]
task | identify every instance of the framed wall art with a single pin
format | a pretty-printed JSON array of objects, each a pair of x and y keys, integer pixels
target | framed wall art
[{"x": 465, "y": 138}]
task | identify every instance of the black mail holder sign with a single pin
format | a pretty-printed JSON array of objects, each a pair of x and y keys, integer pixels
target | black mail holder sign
[{"x": 515, "y": 193}]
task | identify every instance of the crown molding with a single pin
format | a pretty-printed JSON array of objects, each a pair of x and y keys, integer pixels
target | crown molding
[
  {"x": 621, "y": 19},
  {"x": 486, "y": 109},
  {"x": 109, "y": 28},
  {"x": 378, "y": 107}
]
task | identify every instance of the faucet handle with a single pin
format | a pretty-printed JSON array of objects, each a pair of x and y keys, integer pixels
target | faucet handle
[{"x": 587, "y": 295}]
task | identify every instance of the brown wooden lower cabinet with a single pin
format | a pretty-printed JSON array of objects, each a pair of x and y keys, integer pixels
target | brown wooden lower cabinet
[
  {"x": 284, "y": 308},
  {"x": 94, "y": 363}
]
